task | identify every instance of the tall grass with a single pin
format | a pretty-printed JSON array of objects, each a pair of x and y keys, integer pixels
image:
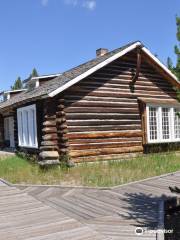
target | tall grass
[{"x": 103, "y": 174}]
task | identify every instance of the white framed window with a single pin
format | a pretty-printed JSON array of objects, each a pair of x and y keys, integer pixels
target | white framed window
[
  {"x": 163, "y": 124},
  {"x": 27, "y": 126},
  {"x": 153, "y": 123},
  {"x": 176, "y": 124}
]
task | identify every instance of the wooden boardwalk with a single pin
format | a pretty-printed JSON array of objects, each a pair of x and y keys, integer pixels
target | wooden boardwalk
[{"x": 49, "y": 213}]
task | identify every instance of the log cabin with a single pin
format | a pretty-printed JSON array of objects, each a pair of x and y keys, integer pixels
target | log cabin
[{"x": 122, "y": 102}]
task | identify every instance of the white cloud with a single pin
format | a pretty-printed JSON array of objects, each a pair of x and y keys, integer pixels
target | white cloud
[
  {"x": 44, "y": 2},
  {"x": 89, "y": 4}
]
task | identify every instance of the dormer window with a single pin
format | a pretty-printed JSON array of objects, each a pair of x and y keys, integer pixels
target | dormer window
[
  {"x": 5, "y": 96},
  {"x": 35, "y": 82}
]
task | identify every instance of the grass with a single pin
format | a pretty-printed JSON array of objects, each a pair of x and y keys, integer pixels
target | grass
[{"x": 103, "y": 174}]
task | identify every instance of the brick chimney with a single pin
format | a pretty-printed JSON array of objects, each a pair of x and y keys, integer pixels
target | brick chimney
[{"x": 101, "y": 52}]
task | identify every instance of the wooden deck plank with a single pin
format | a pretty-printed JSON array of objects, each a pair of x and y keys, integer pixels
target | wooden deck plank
[{"x": 51, "y": 213}]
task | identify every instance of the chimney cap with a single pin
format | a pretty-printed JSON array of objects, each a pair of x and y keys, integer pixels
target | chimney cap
[{"x": 101, "y": 52}]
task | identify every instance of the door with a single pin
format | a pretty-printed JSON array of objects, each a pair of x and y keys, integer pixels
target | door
[{"x": 9, "y": 131}]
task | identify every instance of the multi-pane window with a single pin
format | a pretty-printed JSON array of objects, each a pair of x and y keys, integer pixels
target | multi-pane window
[
  {"x": 153, "y": 123},
  {"x": 176, "y": 124},
  {"x": 163, "y": 124},
  {"x": 27, "y": 127}
]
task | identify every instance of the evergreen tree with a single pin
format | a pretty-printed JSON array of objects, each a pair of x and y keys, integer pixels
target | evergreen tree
[
  {"x": 18, "y": 84},
  {"x": 34, "y": 73},
  {"x": 176, "y": 69}
]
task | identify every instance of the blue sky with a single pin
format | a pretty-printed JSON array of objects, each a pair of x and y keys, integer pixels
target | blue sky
[{"x": 55, "y": 35}]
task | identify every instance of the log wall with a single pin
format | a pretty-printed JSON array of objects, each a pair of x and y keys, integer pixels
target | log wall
[
  {"x": 102, "y": 111},
  {"x": 49, "y": 149},
  {"x": 62, "y": 129},
  {"x": 1, "y": 131}
]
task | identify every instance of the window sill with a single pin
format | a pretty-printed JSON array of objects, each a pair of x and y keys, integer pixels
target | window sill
[
  {"x": 168, "y": 141},
  {"x": 29, "y": 147}
]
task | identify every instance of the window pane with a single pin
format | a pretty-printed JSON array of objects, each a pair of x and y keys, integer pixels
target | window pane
[
  {"x": 21, "y": 122},
  {"x": 27, "y": 131},
  {"x": 165, "y": 123},
  {"x": 20, "y": 130},
  {"x": 25, "y": 128},
  {"x": 33, "y": 127},
  {"x": 176, "y": 124},
  {"x": 153, "y": 123}
]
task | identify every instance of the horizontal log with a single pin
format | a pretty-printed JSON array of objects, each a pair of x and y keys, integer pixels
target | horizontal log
[
  {"x": 105, "y": 103},
  {"x": 126, "y": 94},
  {"x": 62, "y": 126},
  {"x": 101, "y": 122},
  {"x": 49, "y": 143},
  {"x": 80, "y": 116},
  {"x": 60, "y": 114},
  {"x": 126, "y": 71},
  {"x": 129, "y": 67},
  {"x": 63, "y": 150},
  {"x": 103, "y": 94},
  {"x": 127, "y": 76},
  {"x": 63, "y": 131},
  {"x": 50, "y": 136},
  {"x": 60, "y": 100},
  {"x": 49, "y": 123},
  {"x": 103, "y": 128},
  {"x": 105, "y": 151},
  {"x": 128, "y": 80},
  {"x": 49, "y": 155},
  {"x": 48, "y": 148},
  {"x": 104, "y": 145},
  {"x": 60, "y": 120},
  {"x": 100, "y": 109},
  {"x": 72, "y": 97},
  {"x": 99, "y": 84},
  {"x": 104, "y": 134},
  {"x": 64, "y": 145},
  {"x": 105, "y": 140},
  {"x": 63, "y": 138},
  {"x": 49, "y": 130},
  {"x": 60, "y": 106},
  {"x": 49, "y": 118},
  {"x": 112, "y": 92},
  {"x": 95, "y": 102}
]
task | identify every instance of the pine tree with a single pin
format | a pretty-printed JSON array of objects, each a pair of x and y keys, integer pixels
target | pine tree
[
  {"x": 18, "y": 84},
  {"x": 34, "y": 73},
  {"x": 176, "y": 69}
]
